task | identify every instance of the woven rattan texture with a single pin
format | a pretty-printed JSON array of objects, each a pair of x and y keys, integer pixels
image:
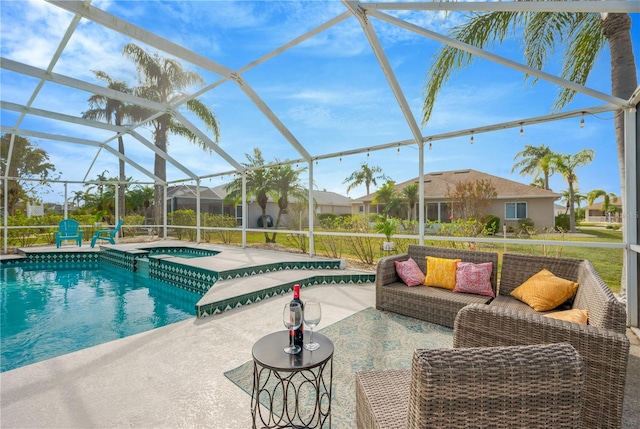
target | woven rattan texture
[
  {"x": 499, "y": 387},
  {"x": 604, "y": 352},
  {"x": 382, "y": 399}
]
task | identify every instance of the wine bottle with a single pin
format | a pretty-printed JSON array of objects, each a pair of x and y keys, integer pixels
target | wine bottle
[{"x": 298, "y": 334}]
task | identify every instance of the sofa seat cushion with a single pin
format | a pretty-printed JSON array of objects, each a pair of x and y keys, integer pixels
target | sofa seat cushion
[
  {"x": 512, "y": 304},
  {"x": 431, "y": 304}
]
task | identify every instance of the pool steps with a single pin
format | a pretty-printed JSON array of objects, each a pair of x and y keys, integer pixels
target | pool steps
[{"x": 235, "y": 283}]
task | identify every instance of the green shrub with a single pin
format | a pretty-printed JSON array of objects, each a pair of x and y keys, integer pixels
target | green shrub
[
  {"x": 326, "y": 218},
  {"x": 563, "y": 222},
  {"x": 225, "y": 236},
  {"x": 491, "y": 224}
]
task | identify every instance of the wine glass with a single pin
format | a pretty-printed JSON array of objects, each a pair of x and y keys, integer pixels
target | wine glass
[
  {"x": 312, "y": 314},
  {"x": 292, "y": 318}
]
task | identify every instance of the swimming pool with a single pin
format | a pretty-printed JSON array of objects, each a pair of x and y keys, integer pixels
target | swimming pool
[{"x": 53, "y": 310}]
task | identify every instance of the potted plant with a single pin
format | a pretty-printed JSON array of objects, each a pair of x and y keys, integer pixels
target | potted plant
[{"x": 387, "y": 226}]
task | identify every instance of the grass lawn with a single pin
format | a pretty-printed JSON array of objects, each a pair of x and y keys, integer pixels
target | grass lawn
[{"x": 608, "y": 262}]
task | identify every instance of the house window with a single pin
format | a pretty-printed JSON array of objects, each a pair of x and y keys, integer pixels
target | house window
[
  {"x": 515, "y": 210},
  {"x": 438, "y": 212},
  {"x": 361, "y": 209}
]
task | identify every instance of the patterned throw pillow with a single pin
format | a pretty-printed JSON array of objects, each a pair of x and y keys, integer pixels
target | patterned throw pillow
[
  {"x": 441, "y": 272},
  {"x": 409, "y": 272},
  {"x": 574, "y": 315},
  {"x": 544, "y": 291},
  {"x": 474, "y": 278}
]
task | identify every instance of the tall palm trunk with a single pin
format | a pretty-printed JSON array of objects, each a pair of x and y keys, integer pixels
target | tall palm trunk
[
  {"x": 160, "y": 170},
  {"x": 617, "y": 30},
  {"x": 572, "y": 214}
]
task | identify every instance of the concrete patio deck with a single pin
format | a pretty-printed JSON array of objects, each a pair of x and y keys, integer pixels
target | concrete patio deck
[{"x": 173, "y": 377}]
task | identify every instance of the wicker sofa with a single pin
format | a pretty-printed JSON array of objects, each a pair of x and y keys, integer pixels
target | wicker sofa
[
  {"x": 505, "y": 321},
  {"x": 496, "y": 387},
  {"x": 431, "y": 304}
]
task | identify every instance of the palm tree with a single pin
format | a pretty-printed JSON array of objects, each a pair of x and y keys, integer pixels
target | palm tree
[
  {"x": 285, "y": 181},
  {"x": 411, "y": 196},
  {"x": 390, "y": 197},
  {"x": 608, "y": 198},
  {"x": 365, "y": 176},
  {"x": 583, "y": 34},
  {"x": 77, "y": 197},
  {"x": 535, "y": 160},
  {"x": 164, "y": 81},
  {"x": 566, "y": 165},
  {"x": 577, "y": 198},
  {"x": 259, "y": 184},
  {"x": 102, "y": 108}
]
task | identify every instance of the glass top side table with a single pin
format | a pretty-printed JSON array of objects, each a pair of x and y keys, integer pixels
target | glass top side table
[{"x": 295, "y": 390}]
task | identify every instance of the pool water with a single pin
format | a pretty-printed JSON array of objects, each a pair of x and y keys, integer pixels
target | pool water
[{"x": 51, "y": 311}]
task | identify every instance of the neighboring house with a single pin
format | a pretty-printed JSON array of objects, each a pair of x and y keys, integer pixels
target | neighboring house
[
  {"x": 559, "y": 209},
  {"x": 325, "y": 202},
  {"x": 332, "y": 202},
  {"x": 595, "y": 213},
  {"x": 183, "y": 197},
  {"x": 514, "y": 201}
]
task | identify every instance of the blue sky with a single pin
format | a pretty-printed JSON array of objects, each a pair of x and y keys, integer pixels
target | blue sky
[{"x": 329, "y": 91}]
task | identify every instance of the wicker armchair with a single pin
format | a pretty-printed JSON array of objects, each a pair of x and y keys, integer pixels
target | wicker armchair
[
  {"x": 604, "y": 351},
  {"x": 498, "y": 387}
]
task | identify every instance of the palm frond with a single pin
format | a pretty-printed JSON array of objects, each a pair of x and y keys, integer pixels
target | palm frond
[
  {"x": 542, "y": 32},
  {"x": 481, "y": 30},
  {"x": 586, "y": 42},
  {"x": 203, "y": 112}
]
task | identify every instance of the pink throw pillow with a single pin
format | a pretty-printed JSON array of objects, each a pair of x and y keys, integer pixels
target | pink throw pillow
[
  {"x": 474, "y": 278},
  {"x": 409, "y": 272}
]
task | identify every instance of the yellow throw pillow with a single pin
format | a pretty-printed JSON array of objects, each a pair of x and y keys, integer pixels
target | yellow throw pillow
[
  {"x": 574, "y": 315},
  {"x": 441, "y": 272},
  {"x": 544, "y": 291}
]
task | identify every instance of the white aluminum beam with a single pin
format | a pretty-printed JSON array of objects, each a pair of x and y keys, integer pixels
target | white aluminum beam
[
  {"x": 28, "y": 70},
  {"x": 114, "y": 23},
  {"x": 630, "y": 214},
  {"x": 102, "y": 125},
  {"x": 61, "y": 117},
  {"x": 512, "y": 6},
  {"x": 500, "y": 60},
  {"x": 476, "y": 131},
  {"x": 202, "y": 136},
  {"x": 163, "y": 154},
  {"x": 268, "y": 113},
  {"x": 111, "y": 21},
  {"x": 57, "y": 137},
  {"x": 372, "y": 37}
]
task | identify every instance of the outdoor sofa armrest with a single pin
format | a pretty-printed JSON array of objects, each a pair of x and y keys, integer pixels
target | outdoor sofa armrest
[
  {"x": 605, "y": 352},
  {"x": 386, "y": 274},
  {"x": 386, "y": 269}
]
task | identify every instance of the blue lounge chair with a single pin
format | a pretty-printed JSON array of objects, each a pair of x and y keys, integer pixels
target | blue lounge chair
[
  {"x": 68, "y": 229},
  {"x": 106, "y": 234}
]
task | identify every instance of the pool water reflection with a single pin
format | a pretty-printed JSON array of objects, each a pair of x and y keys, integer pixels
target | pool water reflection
[{"x": 48, "y": 312}]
